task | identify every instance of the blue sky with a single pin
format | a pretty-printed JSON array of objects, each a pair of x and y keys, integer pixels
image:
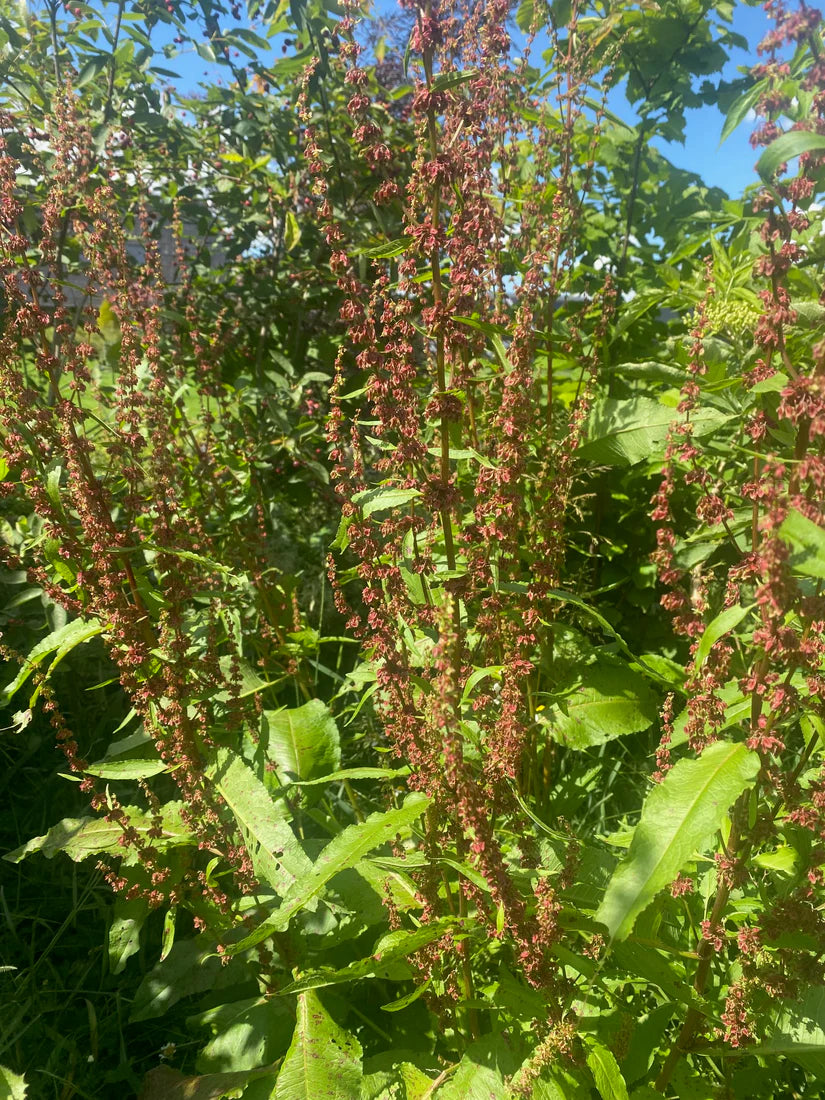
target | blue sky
[{"x": 729, "y": 166}]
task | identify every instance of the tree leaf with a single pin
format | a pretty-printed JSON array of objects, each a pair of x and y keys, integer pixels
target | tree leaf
[
  {"x": 276, "y": 854},
  {"x": 678, "y": 816},
  {"x": 606, "y": 1073},
  {"x": 785, "y": 148},
  {"x": 323, "y": 1061},
  {"x": 303, "y": 742},
  {"x": 739, "y": 109},
  {"x": 343, "y": 851},
  {"x": 610, "y": 700}
]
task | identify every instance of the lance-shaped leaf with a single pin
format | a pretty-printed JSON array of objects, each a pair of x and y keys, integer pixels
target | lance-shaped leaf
[
  {"x": 80, "y": 837},
  {"x": 786, "y": 147},
  {"x": 343, "y": 851},
  {"x": 678, "y": 817},
  {"x": 60, "y": 642},
  {"x": 718, "y": 627},
  {"x": 607, "y": 1076},
  {"x": 276, "y": 855},
  {"x": 323, "y": 1060}
]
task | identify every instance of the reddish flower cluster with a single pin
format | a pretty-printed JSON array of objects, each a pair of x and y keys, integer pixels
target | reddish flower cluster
[
  {"x": 776, "y": 661},
  {"x": 124, "y": 543},
  {"x": 458, "y": 471}
]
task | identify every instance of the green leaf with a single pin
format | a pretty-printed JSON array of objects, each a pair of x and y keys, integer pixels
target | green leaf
[
  {"x": 60, "y": 642},
  {"x": 343, "y": 851},
  {"x": 606, "y": 1073},
  {"x": 799, "y": 1032},
  {"x": 391, "y": 948},
  {"x": 90, "y": 69},
  {"x": 168, "y": 939},
  {"x": 292, "y": 231},
  {"x": 622, "y": 433},
  {"x": 323, "y": 1061},
  {"x": 717, "y": 628},
  {"x": 302, "y": 742},
  {"x": 678, "y": 817},
  {"x": 738, "y": 111},
  {"x": 277, "y": 857},
  {"x": 245, "y": 1034},
  {"x": 452, "y": 79},
  {"x": 80, "y": 837},
  {"x": 165, "y": 1083},
  {"x": 609, "y": 700},
  {"x": 124, "y": 932},
  {"x": 350, "y": 773},
  {"x": 481, "y": 1071},
  {"x": 12, "y": 1085},
  {"x": 785, "y": 148},
  {"x": 126, "y": 769},
  {"x": 192, "y": 966},
  {"x": 383, "y": 498},
  {"x": 808, "y": 542}
]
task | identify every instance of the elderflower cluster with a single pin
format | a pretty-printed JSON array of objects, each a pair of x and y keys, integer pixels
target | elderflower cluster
[{"x": 732, "y": 317}]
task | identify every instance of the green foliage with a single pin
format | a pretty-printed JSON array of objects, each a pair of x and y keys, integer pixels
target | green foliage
[
  {"x": 268, "y": 897},
  {"x": 679, "y": 817}
]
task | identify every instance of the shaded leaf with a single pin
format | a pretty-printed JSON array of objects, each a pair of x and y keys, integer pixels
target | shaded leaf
[
  {"x": 610, "y": 701},
  {"x": 192, "y": 966},
  {"x": 165, "y": 1083},
  {"x": 124, "y": 931},
  {"x": 245, "y": 1034},
  {"x": 303, "y": 742}
]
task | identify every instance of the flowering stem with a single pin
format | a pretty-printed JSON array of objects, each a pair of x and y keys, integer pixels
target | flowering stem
[{"x": 438, "y": 298}]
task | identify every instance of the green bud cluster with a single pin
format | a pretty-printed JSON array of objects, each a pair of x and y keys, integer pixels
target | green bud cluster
[{"x": 734, "y": 317}]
